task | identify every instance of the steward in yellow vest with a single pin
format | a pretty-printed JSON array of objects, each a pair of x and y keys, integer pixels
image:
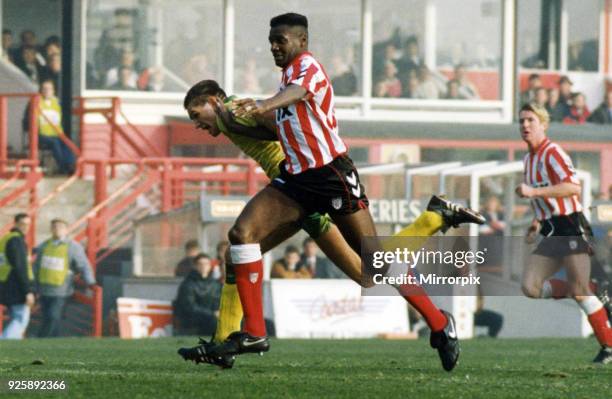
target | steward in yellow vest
[
  {"x": 58, "y": 260},
  {"x": 16, "y": 283},
  {"x": 49, "y": 114}
]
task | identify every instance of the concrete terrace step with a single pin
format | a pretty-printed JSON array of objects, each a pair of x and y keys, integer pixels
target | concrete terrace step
[{"x": 71, "y": 204}]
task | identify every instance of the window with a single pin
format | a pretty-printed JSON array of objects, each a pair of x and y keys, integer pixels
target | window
[
  {"x": 532, "y": 37},
  {"x": 583, "y": 35},
  {"x": 335, "y": 37},
  {"x": 422, "y": 50},
  {"x": 136, "y": 45}
]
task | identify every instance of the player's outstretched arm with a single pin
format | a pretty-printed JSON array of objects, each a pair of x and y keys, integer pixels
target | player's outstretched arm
[
  {"x": 259, "y": 132},
  {"x": 249, "y": 107}
]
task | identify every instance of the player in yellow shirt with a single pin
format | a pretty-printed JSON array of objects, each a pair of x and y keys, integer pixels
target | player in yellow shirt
[{"x": 208, "y": 107}]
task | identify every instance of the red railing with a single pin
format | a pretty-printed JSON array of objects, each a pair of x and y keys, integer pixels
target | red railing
[
  {"x": 163, "y": 184},
  {"x": 120, "y": 128}
]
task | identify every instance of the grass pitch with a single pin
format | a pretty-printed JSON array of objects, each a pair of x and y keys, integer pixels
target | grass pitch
[{"x": 112, "y": 368}]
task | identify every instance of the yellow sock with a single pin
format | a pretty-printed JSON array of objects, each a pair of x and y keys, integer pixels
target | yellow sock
[
  {"x": 427, "y": 224},
  {"x": 230, "y": 312},
  {"x": 230, "y": 308}
]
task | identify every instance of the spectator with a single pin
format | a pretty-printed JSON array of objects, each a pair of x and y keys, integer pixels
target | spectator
[
  {"x": 534, "y": 82},
  {"x": 58, "y": 260},
  {"x": 197, "y": 302},
  {"x": 127, "y": 61},
  {"x": 541, "y": 97},
  {"x": 565, "y": 91},
  {"x": 492, "y": 231},
  {"x": 120, "y": 37},
  {"x": 50, "y": 128},
  {"x": 317, "y": 266},
  {"x": 52, "y": 47},
  {"x": 388, "y": 53},
  {"x": 29, "y": 64},
  {"x": 154, "y": 79},
  {"x": 390, "y": 85},
  {"x": 289, "y": 266},
  {"x": 185, "y": 265},
  {"x": 556, "y": 109},
  {"x": 411, "y": 59},
  {"x": 493, "y": 213},
  {"x": 126, "y": 80},
  {"x": 467, "y": 89},
  {"x": 578, "y": 112},
  {"x": 487, "y": 318},
  {"x": 344, "y": 81},
  {"x": 409, "y": 88},
  {"x": 53, "y": 69},
  {"x": 428, "y": 87},
  {"x": 574, "y": 61},
  {"x": 28, "y": 39},
  {"x": 452, "y": 90},
  {"x": 603, "y": 113},
  {"x": 7, "y": 43},
  {"x": 16, "y": 281}
]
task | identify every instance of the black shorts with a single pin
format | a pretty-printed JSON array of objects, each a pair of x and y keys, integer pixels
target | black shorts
[
  {"x": 564, "y": 235},
  {"x": 334, "y": 188}
]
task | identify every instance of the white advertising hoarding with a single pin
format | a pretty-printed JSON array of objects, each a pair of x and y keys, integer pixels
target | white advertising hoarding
[{"x": 334, "y": 309}]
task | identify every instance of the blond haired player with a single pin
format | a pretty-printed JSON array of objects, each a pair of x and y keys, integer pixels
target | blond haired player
[{"x": 550, "y": 182}]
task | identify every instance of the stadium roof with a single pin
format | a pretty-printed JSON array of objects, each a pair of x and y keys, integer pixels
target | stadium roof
[{"x": 459, "y": 131}]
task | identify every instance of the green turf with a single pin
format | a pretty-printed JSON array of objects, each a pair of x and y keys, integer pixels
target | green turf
[{"x": 112, "y": 368}]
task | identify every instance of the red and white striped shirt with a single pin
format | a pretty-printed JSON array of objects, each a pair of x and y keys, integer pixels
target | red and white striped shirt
[
  {"x": 547, "y": 166},
  {"x": 308, "y": 130}
]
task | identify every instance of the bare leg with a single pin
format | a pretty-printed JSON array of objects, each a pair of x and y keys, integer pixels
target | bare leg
[
  {"x": 578, "y": 268},
  {"x": 265, "y": 213},
  {"x": 538, "y": 269}
]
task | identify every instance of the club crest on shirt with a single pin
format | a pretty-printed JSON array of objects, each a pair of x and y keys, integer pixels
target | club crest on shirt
[{"x": 336, "y": 203}]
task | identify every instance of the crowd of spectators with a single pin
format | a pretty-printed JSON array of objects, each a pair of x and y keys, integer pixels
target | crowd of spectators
[
  {"x": 37, "y": 62},
  {"x": 400, "y": 71},
  {"x": 306, "y": 265},
  {"x": 42, "y": 64},
  {"x": 565, "y": 105},
  {"x": 398, "y": 68}
]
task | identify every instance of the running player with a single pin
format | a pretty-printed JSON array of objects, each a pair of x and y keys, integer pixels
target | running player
[
  {"x": 316, "y": 176},
  {"x": 550, "y": 182},
  {"x": 203, "y": 103}
]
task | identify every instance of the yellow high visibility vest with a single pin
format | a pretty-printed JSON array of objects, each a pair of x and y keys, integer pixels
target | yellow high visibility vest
[
  {"x": 54, "y": 264},
  {"x": 53, "y": 112},
  {"x": 5, "y": 266}
]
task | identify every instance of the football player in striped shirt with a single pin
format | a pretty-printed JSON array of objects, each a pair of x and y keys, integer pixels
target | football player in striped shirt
[
  {"x": 208, "y": 106},
  {"x": 551, "y": 184},
  {"x": 316, "y": 176}
]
